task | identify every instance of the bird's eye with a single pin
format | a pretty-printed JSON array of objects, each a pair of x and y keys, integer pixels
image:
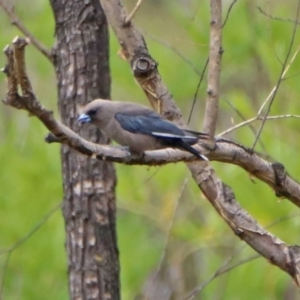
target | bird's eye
[{"x": 92, "y": 112}]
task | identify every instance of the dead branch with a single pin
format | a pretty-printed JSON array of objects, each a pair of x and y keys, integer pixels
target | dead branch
[
  {"x": 15, "y": 21},
  {"x": 257, "y": 118},
  {"x": 221, "y": 196},
  {"x": 284, "y": 69},
  {"x": 133, "y": 12},
  {"x": 144, "y": 67},
  {"x": 276, "y": 18},
  {"x": 224, "y": 151}
]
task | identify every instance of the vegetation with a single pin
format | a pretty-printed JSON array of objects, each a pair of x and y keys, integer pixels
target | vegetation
[{"x": 162, "y": 221}]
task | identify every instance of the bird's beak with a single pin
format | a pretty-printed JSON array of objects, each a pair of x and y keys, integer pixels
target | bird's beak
[{"x": 84, "y": 119}]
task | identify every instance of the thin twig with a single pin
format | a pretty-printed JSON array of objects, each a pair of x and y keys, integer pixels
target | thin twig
[
  {"x": 205, "y": 66},
  {"x": 244, "y": 119},
  {"x": 133, "y": 12},
  {"x": 32, "y": 231},
  {"x": 197, "y": 91},
  {"x": 257, "y": 118},
  {"x": 285, "y": 68},
  {"x": 15, "y": 21},
  {"x": 218, "y": 193},
  {"x": 5, "y": 267},
  {"x": 277, "y": 18},
  {"x": 282, "y": 77},
  {"x": 228, "y": 12},
  {"x": 172, "y": 48},
  {"x": 225, "y": 268},
  {"x": 164, "y": 253},
  {"x": 221, "y": 270},
  {"x": 224, "y": 149}
]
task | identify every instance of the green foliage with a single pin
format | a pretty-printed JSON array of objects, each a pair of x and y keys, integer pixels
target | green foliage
[{"x": 151, "y": 199}]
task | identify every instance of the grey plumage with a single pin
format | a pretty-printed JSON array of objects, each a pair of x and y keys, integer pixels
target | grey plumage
[{"x": 138, "y": 127}]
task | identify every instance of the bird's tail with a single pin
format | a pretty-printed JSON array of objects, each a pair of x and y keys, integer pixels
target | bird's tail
[{"x": 185, "y": 146}]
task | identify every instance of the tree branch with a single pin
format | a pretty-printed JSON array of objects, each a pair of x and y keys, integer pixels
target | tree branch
[
  {"x": 222, "y": 198},
  {"x": 15, "y": 21},
  {"x": 284, "y": 69},
  {"x": 214, "y": 68},
  {"x": 144, "y": 67}
]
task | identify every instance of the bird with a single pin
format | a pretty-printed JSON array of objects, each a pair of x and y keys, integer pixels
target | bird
[{"x": 139, "y": 127}]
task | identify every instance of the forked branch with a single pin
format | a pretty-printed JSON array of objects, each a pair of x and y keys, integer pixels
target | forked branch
[{"x": 220, "y": 195}]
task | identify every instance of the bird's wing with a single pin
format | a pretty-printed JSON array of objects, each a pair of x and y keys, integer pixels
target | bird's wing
[{"x": 150, "y": 123}]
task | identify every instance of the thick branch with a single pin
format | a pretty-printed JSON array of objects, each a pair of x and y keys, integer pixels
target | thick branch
[
  {"x": 225, "y": 150},
  {"x": 222, "y": 198},
  {"x": 144, "y": 67},
  {"x": 243, "y": 225},
  {"x": 147, "y": 75}
]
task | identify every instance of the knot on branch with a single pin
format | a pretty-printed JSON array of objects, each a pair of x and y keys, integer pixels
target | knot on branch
[
  {"x": 16, "y": 75},
  {"x": 143, "y": 66},
  {"x": 279, "y": 177},
  {"x": 51, "y": 138},
  {"x": 293, "y": 263}
]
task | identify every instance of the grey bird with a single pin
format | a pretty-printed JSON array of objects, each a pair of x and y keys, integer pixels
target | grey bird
[{"x": 138, "y": 127}]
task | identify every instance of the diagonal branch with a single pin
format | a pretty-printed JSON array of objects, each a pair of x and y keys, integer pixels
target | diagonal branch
[
  {"x": 225, "y": 150},
  {"x": 284, "y": 69},
  {"x": 279, "y": 253},
  {"x": 15, "y": 21},
  {"x": 221, "y": 197},
  {"x": 257, "y": 118}
]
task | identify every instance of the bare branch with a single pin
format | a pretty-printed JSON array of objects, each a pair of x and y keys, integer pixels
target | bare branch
[
  {"x": 244, "y": 226},
  {"x": 15, "y": 21},
  {"x": 214, "y": 68},
  {"x": 226, "y": 267},
  {"x": 285, "y": 68},
  {"x": 197, "y": 90},
  {"x": 133, "y": 12},
  {"x": 277, "y": 18},
  {"x": 20, "y": 66},
  {"x": 144, "y": 67},
  {"x": 225, "y": 150},
  {"x": 273, "y": 174},
  {"x": 168, "y": 238},
  {"x": 282, "y": 77},
  {"x": 238, "y": 112},
  {"x": 206, "y": 64},
  {"x": 228, "y": 12},
  {"x": 172, "y": 48},
  {"x": 220, "y": 271},
  {"x": 257, "y": 118},
  {"x": 220, "y": 195}
]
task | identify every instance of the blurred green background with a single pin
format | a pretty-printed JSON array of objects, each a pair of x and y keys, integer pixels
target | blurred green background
[{"x": 164, "y": 222}]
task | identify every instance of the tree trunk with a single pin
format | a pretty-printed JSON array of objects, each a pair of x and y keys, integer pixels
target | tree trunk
[{"x": 81, "y": 59}]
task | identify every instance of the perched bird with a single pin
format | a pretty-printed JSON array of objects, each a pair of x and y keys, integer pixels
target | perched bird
[{"x": 138, "y": 127}]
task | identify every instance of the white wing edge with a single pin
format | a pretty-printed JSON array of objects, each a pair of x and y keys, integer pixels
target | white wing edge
[{"x": 170, "y": 135}]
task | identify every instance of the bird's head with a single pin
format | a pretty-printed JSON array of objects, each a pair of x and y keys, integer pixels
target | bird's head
[
  {"x": 88, "y": 116},
  {"x": 96, "y": 112}
]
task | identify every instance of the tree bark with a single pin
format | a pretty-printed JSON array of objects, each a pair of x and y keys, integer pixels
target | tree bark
[{"x": 81, "y": 60}]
